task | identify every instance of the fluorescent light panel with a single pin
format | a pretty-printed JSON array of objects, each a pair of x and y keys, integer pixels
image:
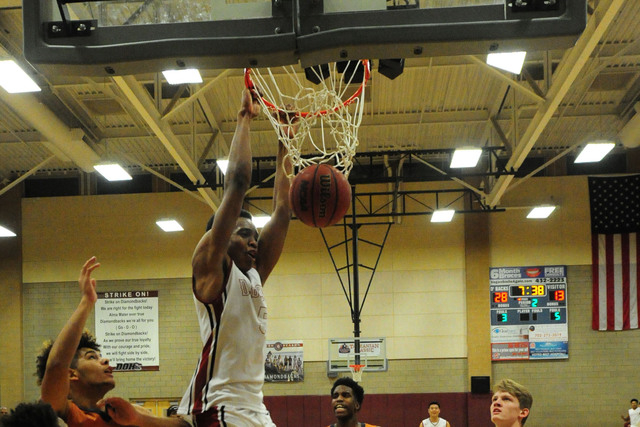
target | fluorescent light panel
[
  {"x": 594, "y": 151},
  {"x": 541, "y": 212},
  {"x": 177, "y": 77},
  {"x": 14, "y": 80},
  {"x": 508, "y": 61},
  {"x": 222, "y": 164},
  {"x": 260, "y": 220},
  {"x": 169, "y": 225},
  {"x": 465, "y": 157},
  {"x": 5, "y": 232},
  {"x": 113, "y": 172},
  {"x": 442, "y": 215}
]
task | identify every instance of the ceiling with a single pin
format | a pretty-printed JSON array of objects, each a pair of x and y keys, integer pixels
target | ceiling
[{"x": 536, "y": 120}]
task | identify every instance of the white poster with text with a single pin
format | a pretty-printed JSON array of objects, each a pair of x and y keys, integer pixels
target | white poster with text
[{"x": 127, "y": 329}]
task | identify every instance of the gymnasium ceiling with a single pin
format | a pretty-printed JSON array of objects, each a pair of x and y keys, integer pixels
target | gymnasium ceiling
[{"x": 538, "y": 119}]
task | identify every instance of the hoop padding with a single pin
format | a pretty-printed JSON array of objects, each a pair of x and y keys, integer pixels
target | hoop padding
[{"x": 327, "y": 115}]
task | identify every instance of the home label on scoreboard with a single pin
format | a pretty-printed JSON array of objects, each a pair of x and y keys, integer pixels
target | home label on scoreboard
[{"x": 529, "y": 313}]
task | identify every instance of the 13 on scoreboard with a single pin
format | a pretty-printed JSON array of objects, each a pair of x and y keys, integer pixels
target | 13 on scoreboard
[{"x": 529, "y": 313}]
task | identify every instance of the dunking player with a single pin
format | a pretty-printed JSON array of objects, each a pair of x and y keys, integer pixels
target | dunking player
[{"x": 230, "y": 265}]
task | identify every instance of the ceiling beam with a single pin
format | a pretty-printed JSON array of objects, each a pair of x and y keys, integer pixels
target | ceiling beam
[
  {"x": 69, "y": 142},
  {"x": 565, "y": 76},
  {"x": 137, "y": 95}
]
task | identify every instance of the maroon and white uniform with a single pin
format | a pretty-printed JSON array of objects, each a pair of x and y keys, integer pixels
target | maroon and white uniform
[{"x": 227, "y": 383}]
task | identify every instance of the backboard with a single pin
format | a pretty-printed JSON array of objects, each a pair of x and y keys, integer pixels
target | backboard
[
  {"x": 118, "y": 37},
  {"x": 342, "y": 353}
]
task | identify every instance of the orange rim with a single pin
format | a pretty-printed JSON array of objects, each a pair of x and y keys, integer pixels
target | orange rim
[{"x": 248, "y": 82}]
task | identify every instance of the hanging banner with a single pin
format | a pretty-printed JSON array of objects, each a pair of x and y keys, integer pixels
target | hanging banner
[
  {"x": 127, "y": 329},
  {"x": 529, "y": 313},
  {"x": 283, "y": 361}
]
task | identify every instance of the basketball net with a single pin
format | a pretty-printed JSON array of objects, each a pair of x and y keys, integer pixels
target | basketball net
[
  {"x": 356, "y": 372},
  {"x": 358, "y": 366},
  {"x": 328, "y": 114}
]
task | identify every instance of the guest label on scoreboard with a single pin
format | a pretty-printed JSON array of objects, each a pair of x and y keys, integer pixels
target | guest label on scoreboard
[{"x": 529, "y": 313}]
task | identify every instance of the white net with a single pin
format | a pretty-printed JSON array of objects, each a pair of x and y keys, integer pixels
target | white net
[
  {"x": 357, "y": 364},
  {"x": 327, "y": 114}
]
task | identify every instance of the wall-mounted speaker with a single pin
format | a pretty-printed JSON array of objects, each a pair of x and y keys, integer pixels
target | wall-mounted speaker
[{"x": 480, "y": 385}]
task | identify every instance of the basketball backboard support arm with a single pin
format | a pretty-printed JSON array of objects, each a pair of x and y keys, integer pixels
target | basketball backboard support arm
[{"x": 296, "y": 31}]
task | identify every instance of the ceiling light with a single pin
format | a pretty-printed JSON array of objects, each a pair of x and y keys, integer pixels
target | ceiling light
[
  {"x": 177, "y": 77},
  {"x": 594, "y": 151},
  {"x": 113, "y": 172},
  {"x": 508, "y": 61},
  {"x": 260, "y": 220},
  {"x": 540, "y": 212},
  {"x": 222, "y": 164},
  {"x": 442, "y": 215},
  {"x": 169, "y": 225},
  {"x": 5, "y": 232},
  {"x": 14, "y": 80},
  {"x": 465, "y": 158}
]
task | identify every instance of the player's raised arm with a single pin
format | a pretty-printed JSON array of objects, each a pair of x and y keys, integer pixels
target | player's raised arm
[
  {"x": 210, "y": 257},
  {"x": 56, "y": 378},
  {"x": 274, "y": 232}
]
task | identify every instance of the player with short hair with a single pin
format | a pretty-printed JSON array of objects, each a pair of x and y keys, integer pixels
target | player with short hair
[
  {"x": 230, "y": 265},
  {"x": 634, "y": 414},
  {"x": 74, "y": 376},
  {"x": 36, "y": 414},
  {"x": 346, "y": 400},
  {"x": 434, "y": 419},
  {"x": 510, "y": 404}
]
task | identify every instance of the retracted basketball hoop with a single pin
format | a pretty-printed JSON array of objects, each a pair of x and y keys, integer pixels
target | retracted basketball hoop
[{"x": 327, "y": 111}]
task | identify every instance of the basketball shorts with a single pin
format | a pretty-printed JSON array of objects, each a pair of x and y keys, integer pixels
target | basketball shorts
[{"x": 225, "y": 416}]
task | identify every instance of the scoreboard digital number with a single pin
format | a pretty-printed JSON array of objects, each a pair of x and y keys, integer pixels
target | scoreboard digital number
[
  {"x": 528, "y": 312},
  {"x": 528, "y": 291}
]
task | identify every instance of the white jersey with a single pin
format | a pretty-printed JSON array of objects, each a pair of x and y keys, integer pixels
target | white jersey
[
  {"x": 441, "y": 423},
  {"x": 230, "y": 370},
  {"x": 634, "y": 417}
]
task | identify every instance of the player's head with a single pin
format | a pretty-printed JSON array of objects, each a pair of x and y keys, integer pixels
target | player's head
[
  {"x": 634, "y": 403},
  {"x": 510, "y": 403},
  {"x": 243, "y": 214},
  {"x": 434, "y": 408},
  {"x": 88, "y": 368},
  {"x": 346, "y": 398},
  {"x": 357, "y": 390},
  {"x": 37, "y": 414}
]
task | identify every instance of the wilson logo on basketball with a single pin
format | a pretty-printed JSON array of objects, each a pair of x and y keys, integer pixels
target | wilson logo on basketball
[{"x": 325, "y": 194}]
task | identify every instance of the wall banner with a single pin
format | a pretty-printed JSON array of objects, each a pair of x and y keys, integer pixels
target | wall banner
[
  {"x": 127, "y": 329},
  {"x": 283, "y": 361}
]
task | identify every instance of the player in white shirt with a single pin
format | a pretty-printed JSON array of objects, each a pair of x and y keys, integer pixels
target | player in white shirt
[
  {"x": 634, "y": 414},
  {"x": 230, "y": 265}
]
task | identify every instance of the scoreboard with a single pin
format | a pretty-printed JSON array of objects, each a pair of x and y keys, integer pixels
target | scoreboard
[{"x": 528, "y": 313}]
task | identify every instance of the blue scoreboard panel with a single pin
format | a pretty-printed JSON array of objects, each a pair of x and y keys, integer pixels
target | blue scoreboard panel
[{"x": 529, "y": 313}]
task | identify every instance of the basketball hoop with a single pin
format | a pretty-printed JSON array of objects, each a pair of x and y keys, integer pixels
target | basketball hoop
[
  {"x": 356, "y": 372},
  {"x": 327, "y": 114}
]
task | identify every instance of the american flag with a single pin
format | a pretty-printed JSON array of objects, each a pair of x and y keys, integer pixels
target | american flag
[{"x": 615, "y": 224}]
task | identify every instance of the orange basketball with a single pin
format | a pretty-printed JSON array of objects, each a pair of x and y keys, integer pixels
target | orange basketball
[{"x": 320, "y": 195}]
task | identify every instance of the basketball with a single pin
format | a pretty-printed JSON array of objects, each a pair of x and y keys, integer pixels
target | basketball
[{"x": 320, "y": 195}]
